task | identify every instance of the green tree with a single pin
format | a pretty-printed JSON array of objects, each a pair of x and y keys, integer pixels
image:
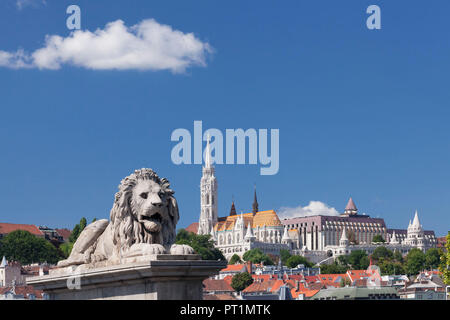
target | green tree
[
  {"x": 415, "y": 261},
  {"x": 378, "y": 238},
  {"x": 241, "y": 281},
  {"x": 66, "y": 248},
  {"x": 257, "y": 256},
  {"x": 358, "y": 260},
  {"x": 202, "y": 244},
  {"x": 343, "y": 260},
  {"x": 284, "y": 256},
  {"x": 398, "y": 256},
  {"x": 26, "y": 248},
  {"x": 235, "y": 259},
  {"x": 294, "y": 261},
  {"x": 77, "y": 230},
  {"x": 333, "y": 268},
  {"x": 432, "y": 258},
  {"x": 389, "y": 268},
  {"x": 382, "y": 253},
  {"x": 444, "y": 266}
]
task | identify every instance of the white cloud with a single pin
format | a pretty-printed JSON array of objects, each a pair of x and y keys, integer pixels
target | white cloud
[
  {"x": 312, "y": 209},
  {"x": 145, "y": 46},
  {"x": 14, "y": 60}
]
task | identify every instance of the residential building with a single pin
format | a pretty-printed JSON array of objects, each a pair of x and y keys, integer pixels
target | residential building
[
  {"x": 428, "y": 285},
  {"x": 7, "y": 228},
  {"x": 213, "y": 286},
  {"x": 357, "y": 293},
  {"x": 322, "y": 238}
]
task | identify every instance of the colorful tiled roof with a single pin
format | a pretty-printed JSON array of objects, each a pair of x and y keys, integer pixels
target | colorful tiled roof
[
  {"x": 268, "y": 218},
  {"x": 259, "y": 219}
]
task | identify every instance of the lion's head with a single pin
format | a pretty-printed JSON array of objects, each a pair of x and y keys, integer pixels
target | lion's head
[{"x": 144, "y": 211}]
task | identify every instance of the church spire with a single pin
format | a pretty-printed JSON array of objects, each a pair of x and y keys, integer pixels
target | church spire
[
  {"x": 208, "y": 153},
  {"x": 208, "y": 194},
  {"x": 233, "y": 209},
  {"x": 255, "y": 203}
]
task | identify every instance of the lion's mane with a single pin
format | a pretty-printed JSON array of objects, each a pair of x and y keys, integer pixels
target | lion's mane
[{"x": 127, "y": 230}]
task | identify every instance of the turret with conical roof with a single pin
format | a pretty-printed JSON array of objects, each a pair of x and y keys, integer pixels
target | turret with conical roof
[
  {"x": 415, "y": 236},
  {"x": 344, "y": 240},
  {"x": 249, "y": 234},
  {"x": 4, "y": 262},
  {"x": 286, "y": 238},
  {"x": 350, "y": 208},
  {"x": 393, "y": 238}
]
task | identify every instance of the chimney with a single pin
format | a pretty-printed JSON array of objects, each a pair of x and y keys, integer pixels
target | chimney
[
  {"x": 297, "y": 285},
  {"x": 249, "y": 267},
  {"x": 41, "y": 270}
]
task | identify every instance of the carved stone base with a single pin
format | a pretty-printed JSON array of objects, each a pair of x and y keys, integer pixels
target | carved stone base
[{"x": 155, "y": 277}]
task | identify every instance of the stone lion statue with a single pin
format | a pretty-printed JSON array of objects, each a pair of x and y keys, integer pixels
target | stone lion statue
[{"x": 142, "y": 221}]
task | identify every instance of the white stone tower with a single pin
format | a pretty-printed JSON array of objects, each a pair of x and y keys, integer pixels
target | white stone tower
[
  {"x": 208, "y": 195},
  {"x": 415, "y": 236}
]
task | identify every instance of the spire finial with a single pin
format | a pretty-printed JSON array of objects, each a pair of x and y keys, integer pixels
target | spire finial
[
  {"x": 233, "y": 209},
  {"x": 255, "y": 208},
  {"x": 208, "y": 152}
]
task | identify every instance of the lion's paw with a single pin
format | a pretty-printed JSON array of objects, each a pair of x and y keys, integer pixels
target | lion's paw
[
  {"x": 146, "y": 249},
  {"x": 181, "y": 249}
]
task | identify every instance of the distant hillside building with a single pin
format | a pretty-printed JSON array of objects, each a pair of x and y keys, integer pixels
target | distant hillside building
[
  {"x": 320, "y": 237},
  {"x": 7, "y": 228},
  {"x": 237, "y": 233}
]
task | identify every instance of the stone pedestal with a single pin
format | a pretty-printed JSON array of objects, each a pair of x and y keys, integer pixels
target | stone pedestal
[{"x": 155, "y": 277}]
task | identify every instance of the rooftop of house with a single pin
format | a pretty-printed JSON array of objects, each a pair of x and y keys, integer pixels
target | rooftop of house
[
  {"x": 25, "y": 291},
  {"x": 6, "y": 228},
  {"x": 217, "y": 285}
]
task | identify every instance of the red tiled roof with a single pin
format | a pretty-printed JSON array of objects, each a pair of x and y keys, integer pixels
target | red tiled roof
[
  {"x": 218, "y": 297},
  {"x": 6, "y": 228},
  {"x": 23, "y": 290},
  {"x": 308, "y": 293},
  {"x": 65, "y": 233},
  {"x": 235, "y": 268},
  {"x": 357, "y": 274},
  {"x": 312, "y": 279},
  {"x": 332, "y": 280},
  {"x": 228, "y": 279},
  {"x": 193, "y": 227},
  {"x": 216, "y": 285},
  {"x": 260, "y": 286}
]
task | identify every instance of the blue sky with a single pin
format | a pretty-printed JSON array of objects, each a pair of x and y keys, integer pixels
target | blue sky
[{"x": 361, "y": 113}]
